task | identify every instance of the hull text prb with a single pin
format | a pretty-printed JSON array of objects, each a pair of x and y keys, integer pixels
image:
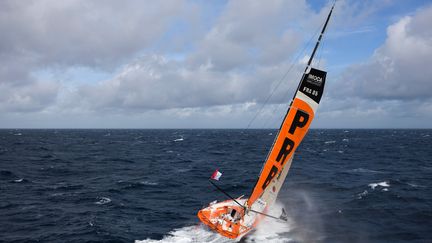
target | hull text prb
[{"x": 300, "y": 120}]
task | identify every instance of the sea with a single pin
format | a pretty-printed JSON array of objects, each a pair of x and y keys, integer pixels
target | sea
[{"x": 123, "y": 185}]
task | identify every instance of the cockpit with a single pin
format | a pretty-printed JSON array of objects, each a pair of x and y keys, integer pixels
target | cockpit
[{"x": 235, "y": 215}]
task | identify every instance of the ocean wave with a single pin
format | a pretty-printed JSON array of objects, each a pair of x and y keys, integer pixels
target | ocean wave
[
  {"x": 135, "y": 184},
  {"x": 103, "y": 200},
  {"x": 21, "y": 180},
  {"x": 362, "y": 194},
  {"x": 188, "y": 234},
  {"x": 268, "y": 230},
  {"x": 148, "y": 183},
  {"x": 7, "y": 173},
  {"x": 362, "y": 170},
  {"x": 66, "y": 187},
  {"x": 183, "y": 170},
  {"x": 382, "y": 184},
  {"x": 414, "y": 185}
]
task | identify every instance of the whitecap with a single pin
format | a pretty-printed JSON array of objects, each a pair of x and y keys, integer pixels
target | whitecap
[
  {"x": 189, "y": 234},
  {"x": 271, "y": 230},
  {"x": 329, "y": 142},
  {"x": 362, "y": 194},
  {"x": 148, "y": 183},
  {"x": 18, "y": 134},
  {"x": 178, "y": 139},
  {"x": 345, "y": 140},
  {"x": 340, "y": 151},
  {"x": 382, "y": 184},
  {"x": 19, "y": 180},
  {"x": 362, "y": 170},
  {"x": 268, "y": 230},
  {"x": 103, "y": 200},
  {"x": 385, "y": 189},
  {"x": 414, "y": 185}
]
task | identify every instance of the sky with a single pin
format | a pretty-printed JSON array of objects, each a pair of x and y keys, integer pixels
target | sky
[{"x": 212, "y": 64}]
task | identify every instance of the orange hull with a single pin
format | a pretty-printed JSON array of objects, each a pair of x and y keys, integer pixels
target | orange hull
[{"x": 218, "y": 218}]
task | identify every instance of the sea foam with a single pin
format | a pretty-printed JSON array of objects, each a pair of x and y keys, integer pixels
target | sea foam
[{"x": 382, "y": 184}]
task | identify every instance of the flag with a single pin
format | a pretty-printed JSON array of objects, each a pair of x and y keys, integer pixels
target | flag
[{"x": 216, "y": 175}]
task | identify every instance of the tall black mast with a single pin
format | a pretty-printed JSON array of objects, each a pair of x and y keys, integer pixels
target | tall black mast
[{"x": 319, "y": 38}]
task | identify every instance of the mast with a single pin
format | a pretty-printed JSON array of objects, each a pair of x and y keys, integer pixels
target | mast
[{"x": 319, "y": 38}]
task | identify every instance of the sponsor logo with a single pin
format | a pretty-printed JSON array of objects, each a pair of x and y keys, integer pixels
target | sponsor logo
[{"x": 314, "y": 79}]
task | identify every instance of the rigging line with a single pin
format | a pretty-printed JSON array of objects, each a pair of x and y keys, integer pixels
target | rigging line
[
  {"x": 283, "y": 77},
  {"x": 226, "y": 194},
  {"x": 289, "y": 69},
  {"x": 267, "y": 215}
]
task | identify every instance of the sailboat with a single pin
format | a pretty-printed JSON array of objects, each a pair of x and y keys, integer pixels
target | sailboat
[{"x": 236, "y": 217}]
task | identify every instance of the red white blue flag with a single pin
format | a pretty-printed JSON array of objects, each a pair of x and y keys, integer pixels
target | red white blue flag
[{"x": 216, "y": 175}]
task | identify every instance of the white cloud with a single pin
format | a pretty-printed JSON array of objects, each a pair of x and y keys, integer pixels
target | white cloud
[
  {"x": 31, "y": 97},
  {"x": 399, "y": 69},
  {"x": 82, "y": 32},
  {"x": 155, "y": 83}
]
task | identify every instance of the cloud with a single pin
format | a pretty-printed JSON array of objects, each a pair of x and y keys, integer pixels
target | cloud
[
  {"x": 157, "y": 83},
  {"x": 59, "y": 35},
  {"x": 251, "y": 33},
  {"x": 399, "y": 69},
  {"x": 31, "y": 97},
  {"x": 78, "y": 32},
  {"x": 239, "y": 60},
  {"x": 191, "y": 62}
]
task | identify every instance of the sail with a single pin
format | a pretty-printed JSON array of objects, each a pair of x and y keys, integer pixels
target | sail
[{"x": 292, "y": 131}]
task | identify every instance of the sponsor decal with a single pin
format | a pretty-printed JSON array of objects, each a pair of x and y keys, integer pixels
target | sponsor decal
[
  {"x": 313, "y": 79},
  {"x": 300, "y": 120}
]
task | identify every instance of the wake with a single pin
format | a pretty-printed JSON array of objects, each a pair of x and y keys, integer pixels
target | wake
[{"x": 269, "y": 230}]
